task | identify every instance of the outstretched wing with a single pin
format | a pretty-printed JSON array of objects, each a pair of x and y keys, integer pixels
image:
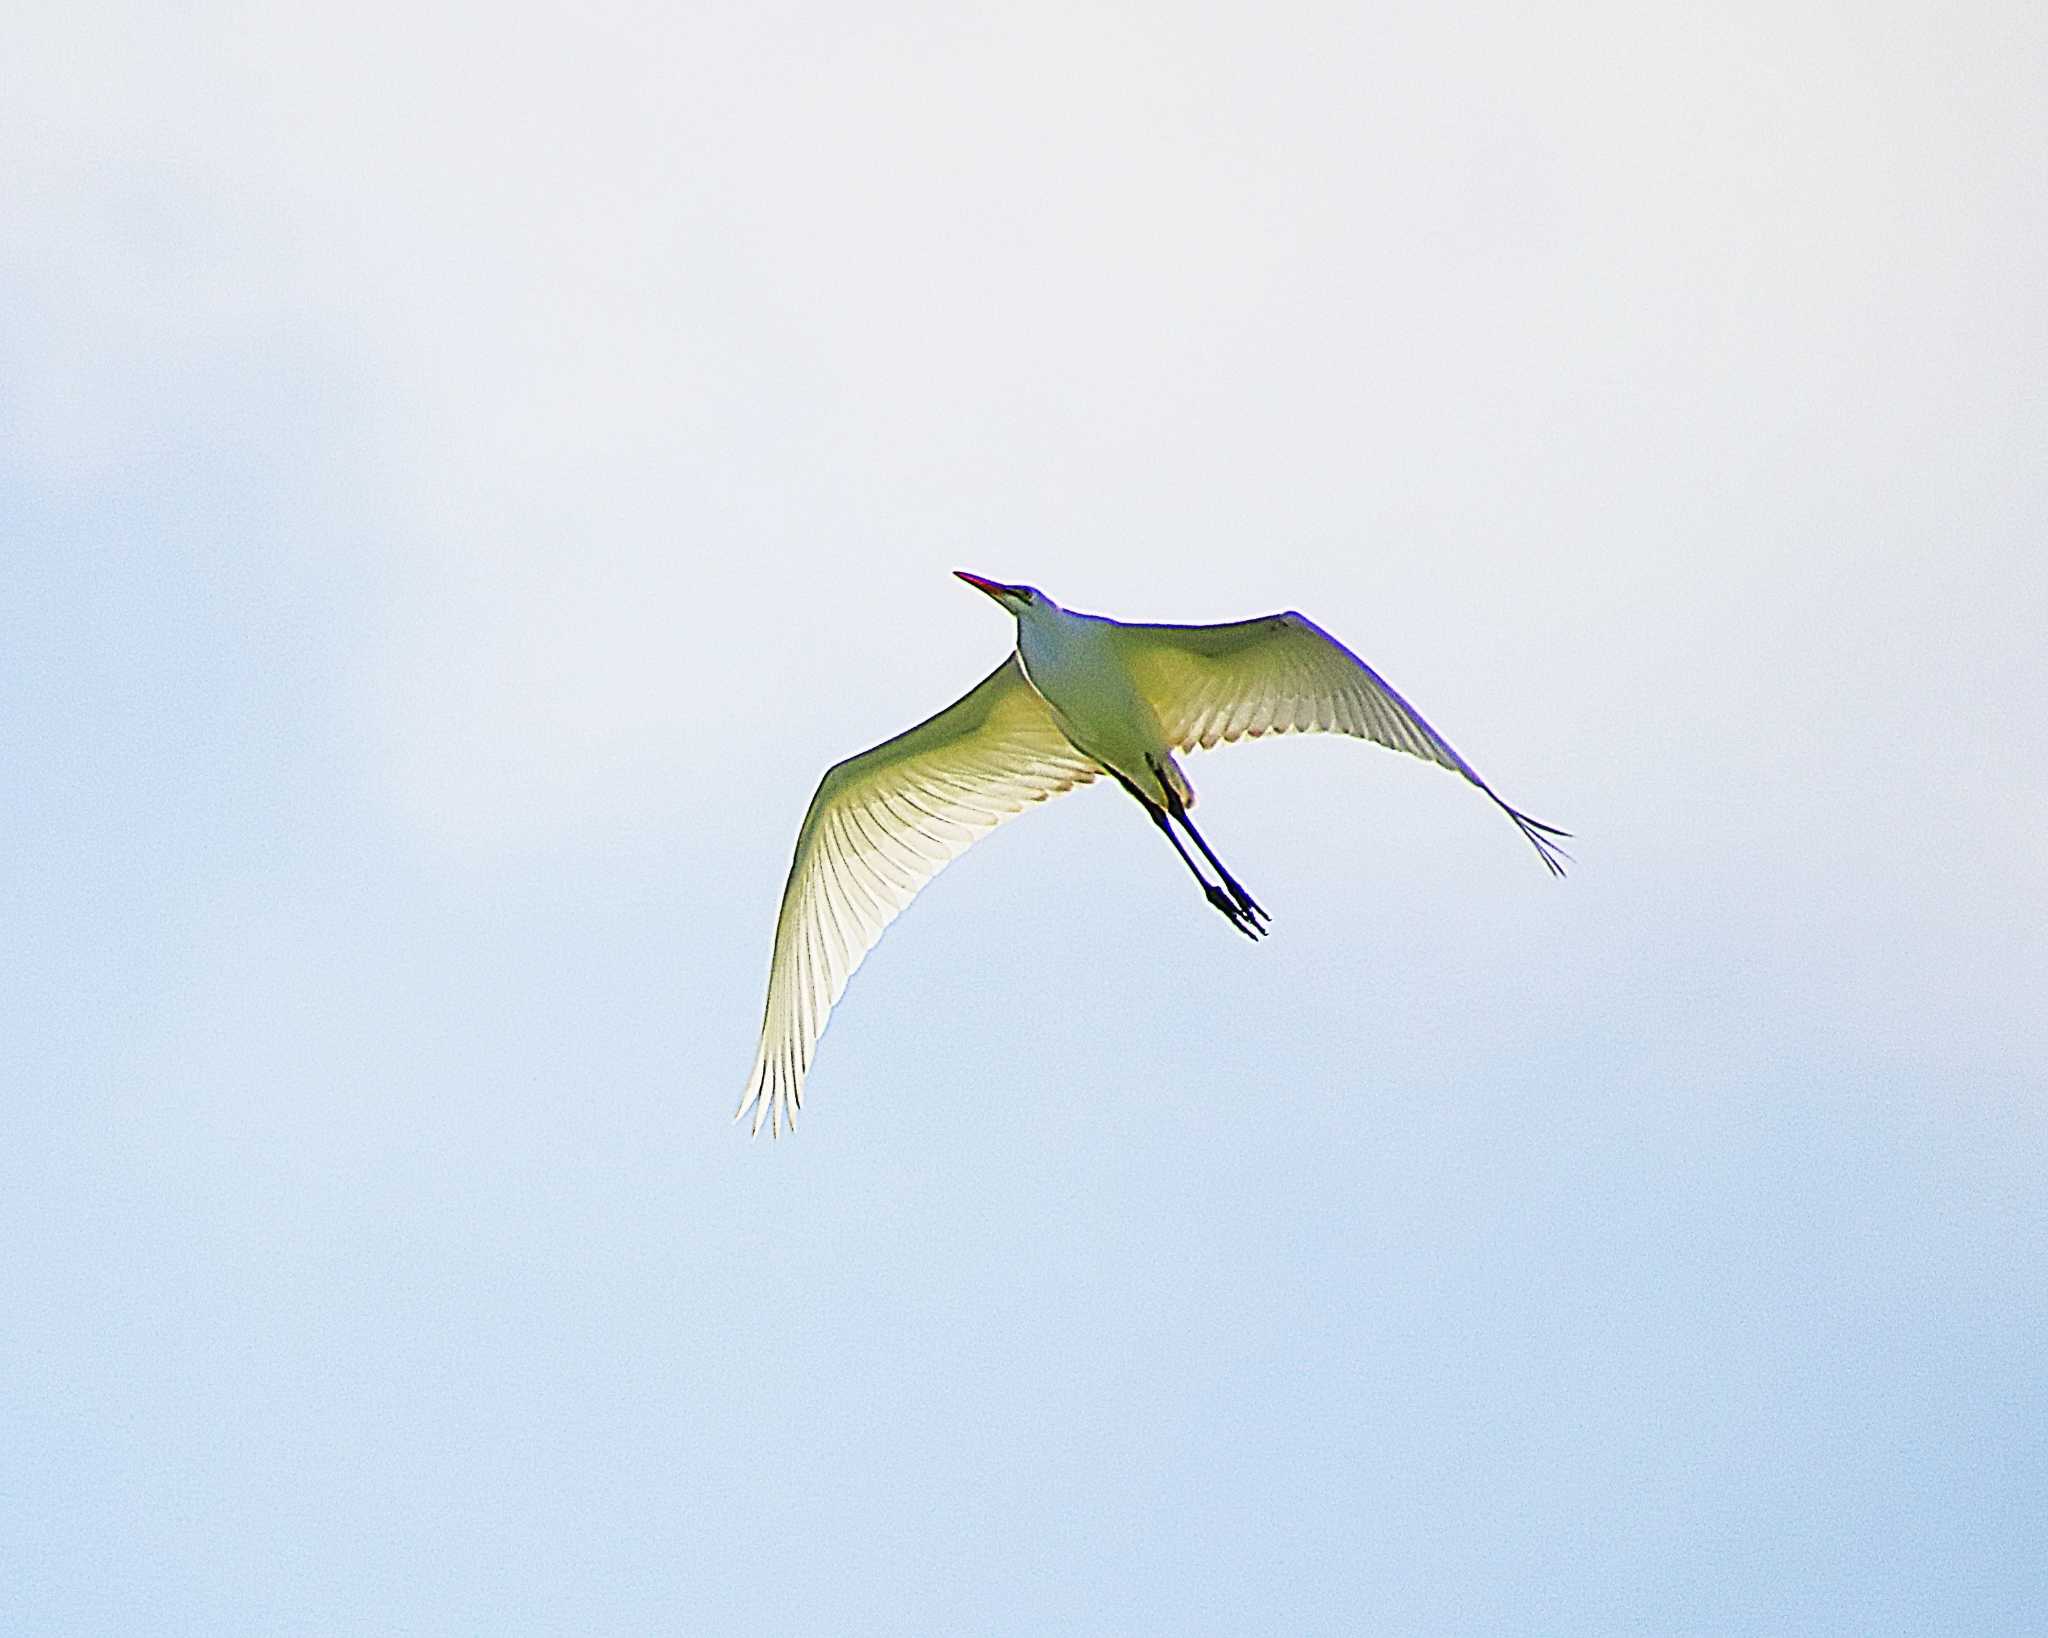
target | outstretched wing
[
  {"x": 882, "y": 825},
  {"x": 1283, "y": 674}
]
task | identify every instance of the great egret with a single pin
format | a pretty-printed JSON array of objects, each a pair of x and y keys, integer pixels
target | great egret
[{"x": 1082, "y": 696}]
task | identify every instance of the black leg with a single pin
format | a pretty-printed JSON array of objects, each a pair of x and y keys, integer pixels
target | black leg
[
  {"x": 1250, "y": 906},
  {"x": 1247, "y": 906},
  {"x": 1238, "y": 917}
]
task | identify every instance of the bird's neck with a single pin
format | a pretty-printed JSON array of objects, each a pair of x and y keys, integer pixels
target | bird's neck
[{"x": 1055, "y": 645}]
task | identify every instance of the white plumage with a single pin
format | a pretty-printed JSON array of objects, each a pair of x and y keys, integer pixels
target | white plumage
[{"x": 1081, "y": 698}]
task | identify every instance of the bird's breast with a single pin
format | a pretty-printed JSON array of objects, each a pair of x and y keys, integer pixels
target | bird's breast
[{"x": 1096, "y": 702}]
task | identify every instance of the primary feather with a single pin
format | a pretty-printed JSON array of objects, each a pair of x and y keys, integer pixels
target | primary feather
[
  {"x": 881, "y": 825},
  {"x": 1284, "y": 674}
]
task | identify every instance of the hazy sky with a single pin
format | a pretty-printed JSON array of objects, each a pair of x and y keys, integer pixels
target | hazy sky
[{"x": 467, "y": 471}]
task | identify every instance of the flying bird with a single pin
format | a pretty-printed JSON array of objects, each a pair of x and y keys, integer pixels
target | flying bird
[{"x": 1080, "y": 698}]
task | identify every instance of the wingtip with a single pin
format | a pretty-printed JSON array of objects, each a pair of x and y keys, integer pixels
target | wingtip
[
  {"x": 768, "y": 1109},
  {"x": 756, "y": 1102},
  {"x": 1554, "y": 857}
]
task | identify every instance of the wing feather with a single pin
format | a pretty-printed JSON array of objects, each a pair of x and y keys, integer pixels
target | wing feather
[
  {"x": 881, "y": 825},
  {"x": 1282, "y": 673}
]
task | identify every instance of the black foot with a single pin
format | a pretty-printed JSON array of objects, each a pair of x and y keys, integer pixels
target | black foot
[
  {"x": 1247, "y": 906},
  {"x": 1237, "y": 917}
]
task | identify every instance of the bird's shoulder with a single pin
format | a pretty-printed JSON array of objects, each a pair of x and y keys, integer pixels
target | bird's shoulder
[{"x": 1001, "y": 703}]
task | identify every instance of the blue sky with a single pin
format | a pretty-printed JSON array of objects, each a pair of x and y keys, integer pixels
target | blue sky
[{"x": 467, "y": 473}]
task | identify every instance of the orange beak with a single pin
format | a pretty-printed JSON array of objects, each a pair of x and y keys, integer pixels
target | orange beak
[{"x": 995, "y": 588}]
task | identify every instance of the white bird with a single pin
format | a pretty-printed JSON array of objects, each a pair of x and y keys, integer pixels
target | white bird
[{"x": 1082, "y": 696}]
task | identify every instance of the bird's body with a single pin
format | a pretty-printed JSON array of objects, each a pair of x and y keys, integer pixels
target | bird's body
[
  {"x": 1080, "y": 667},
  {"x": 1081, "y": 697}
]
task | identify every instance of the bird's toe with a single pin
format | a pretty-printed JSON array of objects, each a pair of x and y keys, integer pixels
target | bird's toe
[{"x": 1232, "y": 913}]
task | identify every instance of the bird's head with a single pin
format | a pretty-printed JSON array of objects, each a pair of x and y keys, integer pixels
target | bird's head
[{"x": 1019, "y": 600}]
